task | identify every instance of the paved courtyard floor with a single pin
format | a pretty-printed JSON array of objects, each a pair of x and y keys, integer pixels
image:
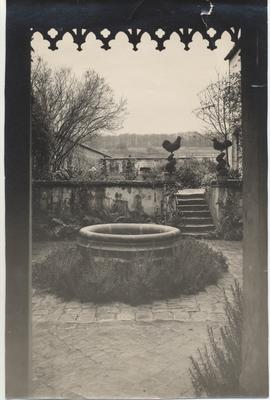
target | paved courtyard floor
[{"x": 116, "y": 350}]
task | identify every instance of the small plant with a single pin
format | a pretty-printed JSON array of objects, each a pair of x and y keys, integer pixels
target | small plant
[
  {"x": 216, "y": 371},
  {"x": 130, "y": 169},
  {"x": 208, "y": 179},
  {"x": 72, "y": 274},
  {"x": 235, "y": 174},
  {"x": 56, "y": 272},
  {"x": 230, "y": 226}
]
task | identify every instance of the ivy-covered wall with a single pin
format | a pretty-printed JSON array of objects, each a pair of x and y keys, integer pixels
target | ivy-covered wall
[
  {"x": 64, "y": 199},
  {"x": 219, "y": 194}
]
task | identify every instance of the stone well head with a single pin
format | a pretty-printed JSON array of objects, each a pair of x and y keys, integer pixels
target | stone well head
[
  {"x": 128, "y": 261},
  {"x": 129, "y": 238}
]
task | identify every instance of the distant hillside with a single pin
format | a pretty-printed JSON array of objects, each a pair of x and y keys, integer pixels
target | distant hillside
[{"x": 150, "y": 145}]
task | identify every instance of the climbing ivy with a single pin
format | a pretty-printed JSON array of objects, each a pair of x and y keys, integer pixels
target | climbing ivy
[{"x": 231, "y": 225}]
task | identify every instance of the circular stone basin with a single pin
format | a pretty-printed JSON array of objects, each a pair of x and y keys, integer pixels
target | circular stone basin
[
  {"x": 128, "y": 262},
  {"x": 129, "y": 238}
]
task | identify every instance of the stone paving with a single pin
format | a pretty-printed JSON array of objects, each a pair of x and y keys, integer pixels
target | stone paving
[{"x": 84, "y": 350}]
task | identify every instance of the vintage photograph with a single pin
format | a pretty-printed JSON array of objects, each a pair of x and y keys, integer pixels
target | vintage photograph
[
  {"x": 147, "y": 206},
  {"x": 137, "y": 218}
]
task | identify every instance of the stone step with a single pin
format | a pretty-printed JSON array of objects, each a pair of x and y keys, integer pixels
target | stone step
[
  {"x": 191, "y": 201},
  {"x": 195, "y": 235},
  {"x": 198, "y": 228},
  {"x": 190, "y": 196},
  {"x": 196, "y": 214},
  {"x": 197, "y": 221},
  {"x": 193, "y": 207},
  {"x": 196, "y": 217}
]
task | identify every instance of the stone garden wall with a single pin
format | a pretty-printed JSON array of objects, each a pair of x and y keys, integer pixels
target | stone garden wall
[
  {"x": 217, "y": 195},
  {"x": 64, "y": 199}
]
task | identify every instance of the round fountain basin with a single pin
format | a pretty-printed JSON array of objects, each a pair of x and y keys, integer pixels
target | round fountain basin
[
  {"x": 129, "y": 238},
  {"x": 123, "y": 260}
]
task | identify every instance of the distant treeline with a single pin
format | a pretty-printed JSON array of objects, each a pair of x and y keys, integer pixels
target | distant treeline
[{"x": 146, "y": 144}]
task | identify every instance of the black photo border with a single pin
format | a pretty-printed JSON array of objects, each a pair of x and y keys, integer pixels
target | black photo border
[{"x": 124, "y": 15}]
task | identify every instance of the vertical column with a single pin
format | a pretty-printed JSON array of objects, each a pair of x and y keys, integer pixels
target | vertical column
[
  {"x": 17, "y": 171},
  {"x": 254, "y": 376}
]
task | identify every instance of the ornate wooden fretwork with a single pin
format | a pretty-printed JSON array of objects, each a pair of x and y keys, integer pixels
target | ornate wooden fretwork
[{"x": 160, "y": 35}]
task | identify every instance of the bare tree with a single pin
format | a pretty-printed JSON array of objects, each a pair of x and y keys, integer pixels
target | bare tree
[
  {"x": 220, "y": 107},
  {"x": 70, "y": 111}
]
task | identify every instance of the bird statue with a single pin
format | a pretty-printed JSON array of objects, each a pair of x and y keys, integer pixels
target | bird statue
[
  {"x": 170, "y": 167},
  {"x": 220, "y": 159},
  {"x": 221, "y": 146},
  {"x": 221, "y": 168},
  {"x": 171, "y": 147}
]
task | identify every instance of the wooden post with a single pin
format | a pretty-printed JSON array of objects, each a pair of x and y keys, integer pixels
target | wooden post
[
  {"x": 18, "y": 227},
  {"x": 254, "y": 375}
]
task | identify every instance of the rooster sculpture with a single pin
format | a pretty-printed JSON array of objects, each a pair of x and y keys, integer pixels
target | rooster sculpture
[
  {"x": 171, "y": 147},
  {"x": 221, "y": 146}
]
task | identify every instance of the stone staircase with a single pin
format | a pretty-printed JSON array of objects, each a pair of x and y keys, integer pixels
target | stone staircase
[{"x": 197, "y": 219}]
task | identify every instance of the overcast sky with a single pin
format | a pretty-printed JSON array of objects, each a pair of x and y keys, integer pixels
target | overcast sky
[{"x": 160, "y": 87}]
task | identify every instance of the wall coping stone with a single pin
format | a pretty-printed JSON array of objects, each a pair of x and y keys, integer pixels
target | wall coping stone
[
  {"x": 229, "y": 183},
  {"x": 75, "y": 183},
  {"x": 188, "y": 157}
]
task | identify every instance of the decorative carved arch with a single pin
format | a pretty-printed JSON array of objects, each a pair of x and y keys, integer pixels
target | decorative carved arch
[{"x": 158, "y": 34}]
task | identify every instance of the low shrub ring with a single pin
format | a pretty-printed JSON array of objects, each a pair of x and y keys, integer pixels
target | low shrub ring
[{"x": 135, "y": 275}]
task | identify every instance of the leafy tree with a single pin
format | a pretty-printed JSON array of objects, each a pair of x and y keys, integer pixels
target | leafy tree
[{"x": 67, "y": 111}]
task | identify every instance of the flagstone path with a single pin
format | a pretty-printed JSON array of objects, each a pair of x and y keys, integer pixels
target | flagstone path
[{"x": 116, "y": 350}]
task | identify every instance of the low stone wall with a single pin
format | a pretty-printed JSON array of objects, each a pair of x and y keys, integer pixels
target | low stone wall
[
  {"x": 217, "y": 194},
  {"x": 65, "y": 199}
]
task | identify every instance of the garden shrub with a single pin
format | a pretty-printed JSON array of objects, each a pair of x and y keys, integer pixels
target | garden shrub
[
  {"x": 201, "y": 265},
  {"x": 72, "y": 274},
  {"x": 191, "y": 173},
  {"x": 56, "y": 228},
  {"x": 67, "y": 228},
  {"x": 235, "y": 174},
  {"x": 216, "y": 371},
  {"x": 230, "y": 226},
  {"x": 208, "y": 179}
]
